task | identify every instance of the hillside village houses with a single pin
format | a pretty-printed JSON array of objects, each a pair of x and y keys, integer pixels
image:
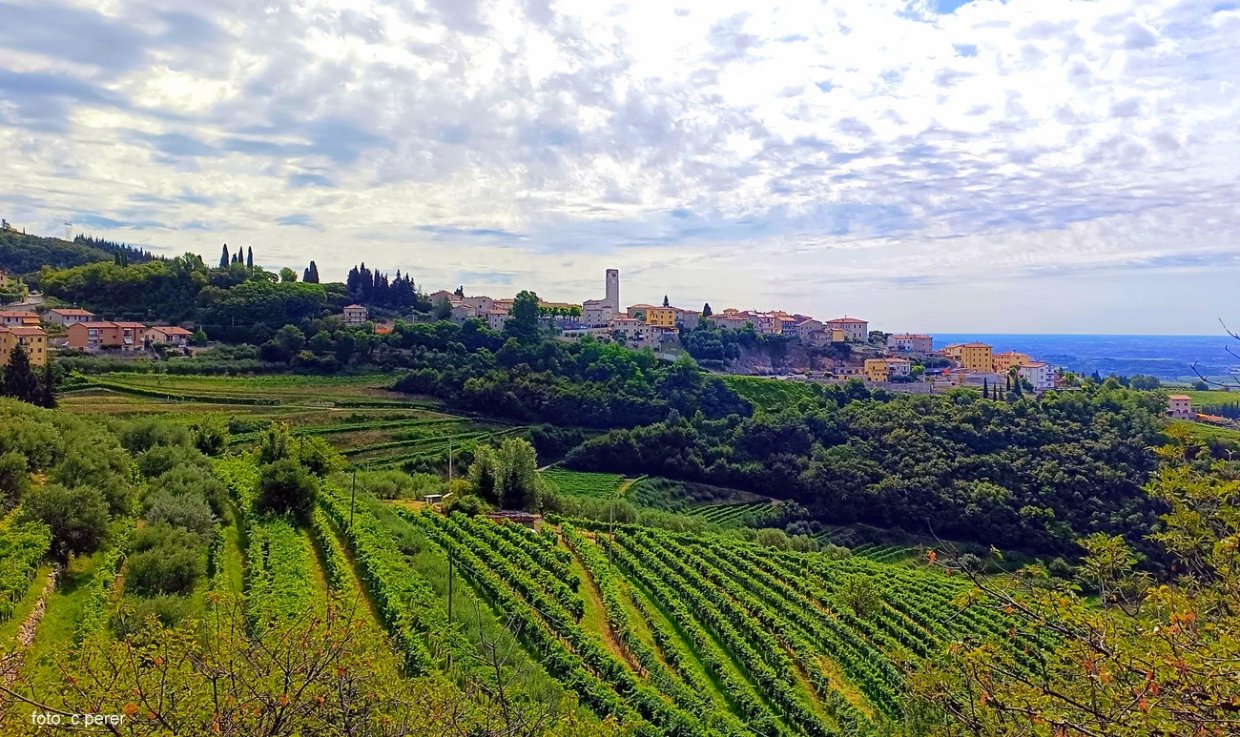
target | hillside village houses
[
  {"x": 18, "y": 319},
  {"x": 95, "y": 336},
  {"x": 68, "y": 316},
  {"x": 649, "y": 325}
]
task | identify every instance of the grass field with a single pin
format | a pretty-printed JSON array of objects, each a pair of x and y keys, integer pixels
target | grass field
[
  {"x": 580, "y": 483},
  {"x": 772, "y": 394},
  {"x": 1208, "y": 433},
  {"x": 1213, "y": 396}
]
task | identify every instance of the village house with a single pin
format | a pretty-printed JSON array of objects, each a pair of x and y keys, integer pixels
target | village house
[
  {"x": 68, "y": 316},
  {"x": 886, "y": 369},
  {"x": 910, "y": 343},
  {"x": 629, "y": 327},
  {"x": 661, "y": 317},
  {"x": 1039, "y": 374},
  {"x": 1180, "y": 406},
  {"x": 168, "y": 335},
  {"x": 854, "y": 329},
  {"x": 638, "y": 311},
  {"x": 33, "y": 339},
  {"x": 1002, "y": 362},
  {"x": 689, "y": 319},
  {"x": 971, "y": 356},
  {"x": 597, "y": 312},
  {"x": 810, "y": 332},
  {"x": 355, "y": 315},
  {"x": 437, "y": 297},
  {"x": 107, "y": 336},
  {"x": 18, "y": 319},
  {"x": 496, "y": 318}
]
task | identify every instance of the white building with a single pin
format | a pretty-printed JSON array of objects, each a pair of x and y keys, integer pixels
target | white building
[
  {"x": 1039, "y": 374},
  {"x": 496, "y": 318},
  {"x": 809, "y": 331},
  {"x": 899, "y": 367},
  {"x": 603, "y": 311}
]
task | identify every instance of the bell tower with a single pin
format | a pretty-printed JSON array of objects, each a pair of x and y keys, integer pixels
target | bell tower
[{"x": 613, "y": 289}]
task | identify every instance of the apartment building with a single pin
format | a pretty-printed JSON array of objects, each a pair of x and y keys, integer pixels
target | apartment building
[
  {"x": 971, "y": 356},
  {"x": 33, "y": 339},
  {"x": 1039, "y": 374},
  {"x": 107, "y": 336},
  {"x": 661, "y": 317},
  {"x": 1002, "y": 362},
  {"x": 886, "y": 369}
]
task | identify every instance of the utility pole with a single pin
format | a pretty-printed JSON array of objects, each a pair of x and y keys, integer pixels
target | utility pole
[{"x": 352, "y": 500}]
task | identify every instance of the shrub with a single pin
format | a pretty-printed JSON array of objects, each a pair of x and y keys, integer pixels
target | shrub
[
  {"x": 211, "y": 436},
  {"x": 107, "y": 469},
  {"x": 138, "y": 436},
  {"x": 187, "y": 511},
  {"x": 285, "y": 487},
  {"x": 163, "y": 458},
  {"x": 77, "y": 516},
  {"x": 197, "y": 481},
  {"x": 14, "y": 479},
  {"x": 164, "y": 560}
]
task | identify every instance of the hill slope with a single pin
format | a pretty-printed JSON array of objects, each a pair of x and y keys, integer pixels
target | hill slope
[{"x": 25, "y": 254}]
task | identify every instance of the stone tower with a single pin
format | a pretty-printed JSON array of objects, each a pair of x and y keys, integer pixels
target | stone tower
[{"x": 613, "y": 289}]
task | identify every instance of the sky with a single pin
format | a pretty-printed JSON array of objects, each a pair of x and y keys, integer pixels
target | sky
[{"x": 983, "y": 166}]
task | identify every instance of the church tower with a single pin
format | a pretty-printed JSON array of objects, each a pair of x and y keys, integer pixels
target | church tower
[{"x": 613, "y": 289}]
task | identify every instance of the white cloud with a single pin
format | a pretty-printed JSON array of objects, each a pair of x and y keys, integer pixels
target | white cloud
[{"x": 882, "y": 157}]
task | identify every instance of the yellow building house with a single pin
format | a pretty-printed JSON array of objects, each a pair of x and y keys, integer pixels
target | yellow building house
[
  {"x": 876, "y": 369},
  {"x": 1004, "y": 361},
  {"x": 971, "y": 356},
  {"x": 34, "y": 340},
  {"x": 661, "y": 317}
]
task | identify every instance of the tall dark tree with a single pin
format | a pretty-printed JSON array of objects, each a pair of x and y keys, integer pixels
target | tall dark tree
[
  {"x": 312, "y": 274},
  {"x": 522, "y": 321},
  {"x": 224, "y": 257},
  {"x": 249, "y": 257},
  {"x": 460, "y": 291},
  {"x": 665, "y": 302},
  {"x": 20, "y": 381},
  {"x": 47, "y": 387},
  {"x": 706, "y": 310}
]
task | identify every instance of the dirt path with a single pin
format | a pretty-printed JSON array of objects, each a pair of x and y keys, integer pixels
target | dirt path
[
  {"x": 11, "y": 667},
  {"x": 627, "y": 484},
  {"x": 594, "y": 617}
]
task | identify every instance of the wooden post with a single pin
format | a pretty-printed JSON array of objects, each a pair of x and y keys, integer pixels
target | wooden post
[{"x": 352, "y": 500}]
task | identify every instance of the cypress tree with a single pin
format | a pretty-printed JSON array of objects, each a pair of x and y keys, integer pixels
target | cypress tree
[
  {"x": 314, "y": 273},
  {"x": 249, "y": 257},
  {"x": 224, "y": 261},
  {"x": 19, "y": 379},
  {"x": 706, "y": 310},
  {"x": 665, "y": 302},
  {"x": 47, "y": 388}
]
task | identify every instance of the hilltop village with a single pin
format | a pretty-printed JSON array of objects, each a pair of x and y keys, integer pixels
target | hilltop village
[{"x": 838, "y": 348}]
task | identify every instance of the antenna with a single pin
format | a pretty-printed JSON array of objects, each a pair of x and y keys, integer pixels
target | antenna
[{"x": 68, "y": 225}]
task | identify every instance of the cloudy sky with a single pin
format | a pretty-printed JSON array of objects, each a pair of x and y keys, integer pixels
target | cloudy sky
[{"x": 1021, "y": 166}]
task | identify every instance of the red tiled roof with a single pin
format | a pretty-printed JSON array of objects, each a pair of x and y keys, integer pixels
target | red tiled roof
[{"x": 73, "y": 312}]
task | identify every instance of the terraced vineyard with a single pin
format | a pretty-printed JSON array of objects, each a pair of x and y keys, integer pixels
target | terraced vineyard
[
  {"x": 733, "y": 515},
  {"x": 372, "y": 427}
]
